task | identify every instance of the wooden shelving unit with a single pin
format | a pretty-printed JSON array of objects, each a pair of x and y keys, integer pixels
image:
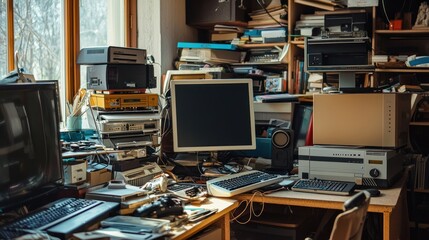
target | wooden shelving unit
[
  {"x": 403, "y": 70},
  {"x": 408, "y": 32}
]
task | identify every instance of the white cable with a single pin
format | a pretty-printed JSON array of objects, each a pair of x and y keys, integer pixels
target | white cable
[
  {"x": 249, "y": 203},
  {"x": 385, "y": 13}
]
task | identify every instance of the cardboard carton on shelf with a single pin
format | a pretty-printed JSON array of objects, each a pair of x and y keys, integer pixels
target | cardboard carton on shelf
[{"x": 98, "y": 176}]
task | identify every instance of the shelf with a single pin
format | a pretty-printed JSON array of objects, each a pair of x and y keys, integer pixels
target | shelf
[
  {"x": 257, "y": 63},
  {"x": 261, "y": 45},
  {"x": 421, "y": 190},
  {"x": 299, "y": 44},
  {"x": 421, "y": 225},
  {"x": 419, "y": 124},
  {"x": 410, "y": 32},
  {"x": 403, "y": 70}
]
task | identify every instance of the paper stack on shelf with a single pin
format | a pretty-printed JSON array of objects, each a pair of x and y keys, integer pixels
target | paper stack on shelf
[
  {"x": 276, "y": 17},
  {"x": 330, "y": 5},
  {"x": 226, "y": 33}
]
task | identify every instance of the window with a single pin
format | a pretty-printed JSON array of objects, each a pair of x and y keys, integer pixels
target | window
[
  {"x": 99, "y": 24},
  {"x": 43, "y": 36},
  {"x": 3, "y": 39}
]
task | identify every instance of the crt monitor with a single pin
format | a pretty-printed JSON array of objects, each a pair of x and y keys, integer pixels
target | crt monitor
[
  {"x": 213, "y": 115},
  {"x": 30, "y": 157}
]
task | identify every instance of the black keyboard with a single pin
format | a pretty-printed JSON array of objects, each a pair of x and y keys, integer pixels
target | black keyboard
[
  {"x": 183, "y": 186},
  {"x": 52, "y": 214},
  {"x": 324, "y": 186},
  {"x": 230, "y": 185},
  {"x": 11, "y": 233},
  {"x": 187, "y": 190}
]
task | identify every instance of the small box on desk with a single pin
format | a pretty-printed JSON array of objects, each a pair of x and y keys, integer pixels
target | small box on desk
[
  {"x": 74, "y": 171},
  {"x": 98, "y": 176}
]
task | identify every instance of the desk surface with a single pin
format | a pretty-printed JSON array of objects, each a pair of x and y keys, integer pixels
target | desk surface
[
  {"x": 224, "y": 206},
  {"x": 387, "y": 200},
  {"x": 391, "y": 204}
]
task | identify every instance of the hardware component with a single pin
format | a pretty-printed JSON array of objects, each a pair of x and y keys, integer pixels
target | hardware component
[
  {"x": 124, "y": 101},
  {"x": 324, "y": 186},
  {"x": 120, "y": 76},
  {"x": 139, "y": 176},
  {"x": 74, "y": 171},
  {"x": 365, "y": 167},
  {"x": 116, "y": 184},
  {"x": 109, "y": 54},
  {"x": 128, "y": 154},
  {"x": 143, "y": 126},
  {"x": 230, "y": 185}
]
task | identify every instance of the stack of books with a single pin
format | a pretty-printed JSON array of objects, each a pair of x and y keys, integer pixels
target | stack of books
[
  {"x": 329, "y": 5},
  {"x": 226, "y": 33},
  {"x": 276, "y": 17},
  {"x": 209, "y": 52}
]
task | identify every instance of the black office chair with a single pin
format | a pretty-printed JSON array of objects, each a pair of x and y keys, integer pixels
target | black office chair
[{"x": 349, "y": 224}]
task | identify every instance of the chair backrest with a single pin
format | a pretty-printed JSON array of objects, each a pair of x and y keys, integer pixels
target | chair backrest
[{"x": 349, "y": 224}]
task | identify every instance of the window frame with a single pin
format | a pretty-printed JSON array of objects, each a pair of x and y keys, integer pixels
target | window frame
[{"x": 72, "y": 39}]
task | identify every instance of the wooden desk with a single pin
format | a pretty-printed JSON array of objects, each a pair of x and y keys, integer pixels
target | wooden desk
[
  {"x": 222, "y": 217},
  {"x": 392, "y": 203}
]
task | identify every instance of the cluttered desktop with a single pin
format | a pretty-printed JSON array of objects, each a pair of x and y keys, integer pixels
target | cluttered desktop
[{"x": 62, "y": 183}]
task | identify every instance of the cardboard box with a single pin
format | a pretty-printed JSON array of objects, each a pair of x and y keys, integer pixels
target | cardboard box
[
  {"x": 98, "y": 176},
  {"x": 361, "y": 119}
]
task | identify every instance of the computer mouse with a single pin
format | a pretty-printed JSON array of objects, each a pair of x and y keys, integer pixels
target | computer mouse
[{"x": 373, "y": 192}]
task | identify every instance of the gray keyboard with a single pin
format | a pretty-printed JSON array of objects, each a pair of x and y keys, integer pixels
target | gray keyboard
[{"x": 233, "y": 184}]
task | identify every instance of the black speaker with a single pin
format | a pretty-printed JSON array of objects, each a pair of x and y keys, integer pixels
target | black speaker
[{"x": 282, "y": 141}]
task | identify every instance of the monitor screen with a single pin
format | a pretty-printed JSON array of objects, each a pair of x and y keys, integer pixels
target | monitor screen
[
  {"x": 213, "y": 115},
  {"x": 301, "y": 120},
  {"x": 30, "y": 158}
]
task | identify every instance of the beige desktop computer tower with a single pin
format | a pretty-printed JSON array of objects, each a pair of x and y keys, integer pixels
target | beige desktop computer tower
[{"x": 367, "y": 119}]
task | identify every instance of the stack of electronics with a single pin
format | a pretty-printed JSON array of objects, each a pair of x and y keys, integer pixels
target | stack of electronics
[
  {"x": 32, "y": 168},
  {"x": 127, "y": 117},
  {"x": 343, "y": 48},
  {"x": 358, "y": 139}
]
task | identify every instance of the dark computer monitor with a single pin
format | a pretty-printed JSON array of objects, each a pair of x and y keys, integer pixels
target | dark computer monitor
[
  {"x": 213, "y": 115},
  {"x": 301, "y": 125},
  {"x": 30, "y": 158}
]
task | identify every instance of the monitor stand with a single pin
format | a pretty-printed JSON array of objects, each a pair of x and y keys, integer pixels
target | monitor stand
[
  {"x": 277, "y": 171},
  {"x": 192, "y": 157},
  {"x": 189, "y": 164},
  {"x": 347, "y": 80}
]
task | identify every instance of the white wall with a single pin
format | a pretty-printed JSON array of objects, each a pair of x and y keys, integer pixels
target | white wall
[{"x": 161, "y": 24}]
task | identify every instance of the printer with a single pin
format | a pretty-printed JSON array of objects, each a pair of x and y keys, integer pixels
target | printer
[{"x": 375, "y": 168}]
